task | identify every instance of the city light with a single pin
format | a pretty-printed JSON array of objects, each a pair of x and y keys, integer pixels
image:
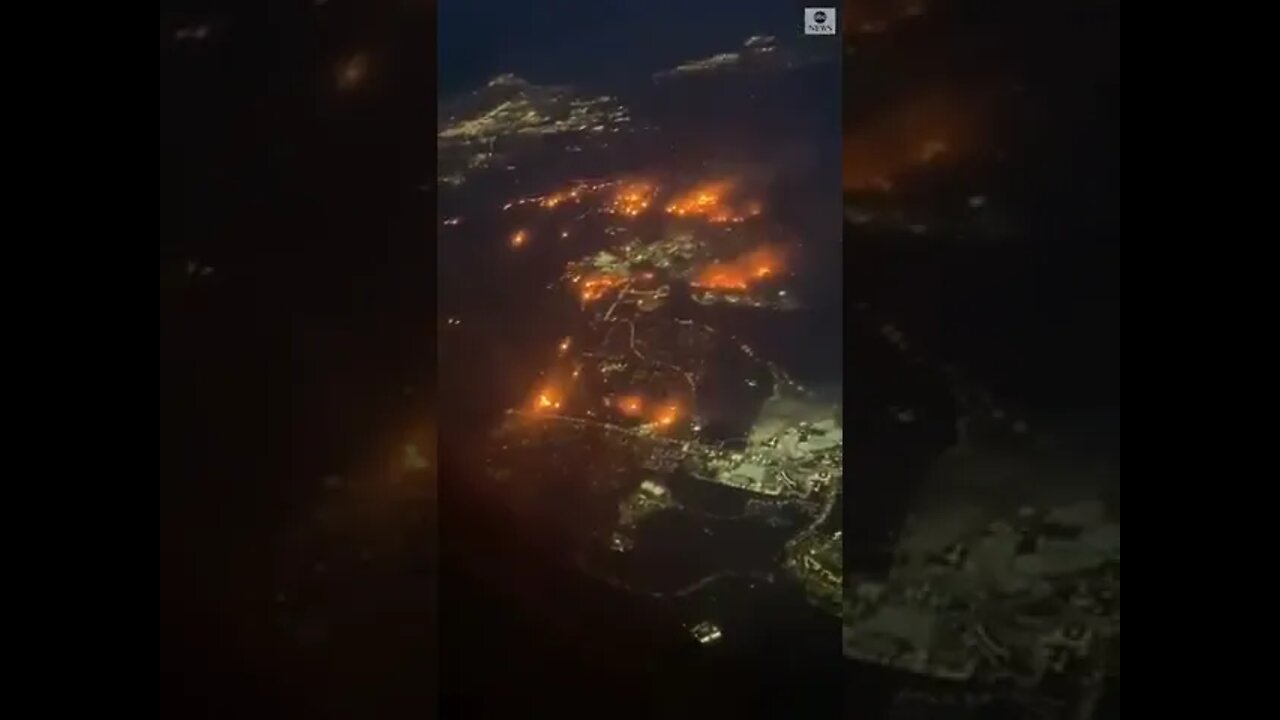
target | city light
[{"x": 551, "y": 201}]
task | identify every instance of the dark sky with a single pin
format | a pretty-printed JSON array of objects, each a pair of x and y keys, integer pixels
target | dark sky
[{"x": 554, "y": 41}]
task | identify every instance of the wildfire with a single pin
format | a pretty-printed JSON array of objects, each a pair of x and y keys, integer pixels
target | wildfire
[
  {"x": 883, "y": 152},
  {"x": 551, "y": 201},
  {"x": 629, "y": 405},
  {"x": 704, "y": 199},
  {"x": 710, "y": 201},
  {"x": 519, "y": 238},
  {"x": 594, "y": 287},
  {"x": 740, "y": 273},
  {"x": 554, "y": 199},
  {"x": 667, "y": 415},
  {"x": 547, "y": 399},
  {"x": 633, "y": 198}
]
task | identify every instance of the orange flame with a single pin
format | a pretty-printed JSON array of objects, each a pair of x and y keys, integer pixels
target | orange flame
[
  {"x": 740, "y": 273},
  {"x": 633, "y": 198},
  {"x": 594, "y": 287},
  {"x": 548, "y": 399},
  {"x": 629, "y": 405},
  {"x": 519, "y": 238},
  {"x": 710, "y": 200}
]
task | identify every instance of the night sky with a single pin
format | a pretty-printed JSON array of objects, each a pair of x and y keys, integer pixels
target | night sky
[{"x": 590, "y": 43}]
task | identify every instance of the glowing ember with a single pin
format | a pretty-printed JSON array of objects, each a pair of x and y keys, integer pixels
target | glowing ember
[
  {"x": 666, "y": 416},
  {"x": 556, "y": 198},
  {"x": 720, "y": 279},
  {"x": 740, "y": 273},
  {"x": 547, "y": 399},
  {"x": 629, "y": 405},
  {"x": 633, "y": 198},
  {"x": 519, "y": 238},
  {"x": 704, "y": 200},
  {"x": 564, "y": 345},
  {"x": 594, "y": 287},
  {"x": 550, "y": 201},
  {"x": 709, "y": 201}
]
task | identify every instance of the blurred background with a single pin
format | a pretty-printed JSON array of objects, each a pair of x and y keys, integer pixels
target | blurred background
[{"x": 297, "y": 354}]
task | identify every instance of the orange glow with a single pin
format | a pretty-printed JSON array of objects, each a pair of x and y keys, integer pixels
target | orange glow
[
  {"x": 741, "y": 272},
  {"x": 704, "y": 199},
  {"x": 927, "y": 130},
  {"x": 633, "y": 198},
  {"x": 594, "y": 287},
  {"x": 710, "y": 201},
  {"x": 870, "y": 17},
  {"x": 556, "y": 198},
  {"x": 629, "y": 405},
  {"x": 519, "y": 238},
  {"x": 552, "y": 200},
  {"x": 667, "y": 415},
  {"x": 548, "y": 399},
  {"x": 564, "y": 345}
]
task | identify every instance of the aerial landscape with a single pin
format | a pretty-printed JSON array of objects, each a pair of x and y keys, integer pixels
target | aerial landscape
[
  {"x": 788, "y": 424},
  {"x": 645, "y": 275}
]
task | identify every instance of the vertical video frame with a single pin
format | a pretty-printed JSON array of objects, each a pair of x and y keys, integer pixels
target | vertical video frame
[{"x": 641, "y": 332}]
